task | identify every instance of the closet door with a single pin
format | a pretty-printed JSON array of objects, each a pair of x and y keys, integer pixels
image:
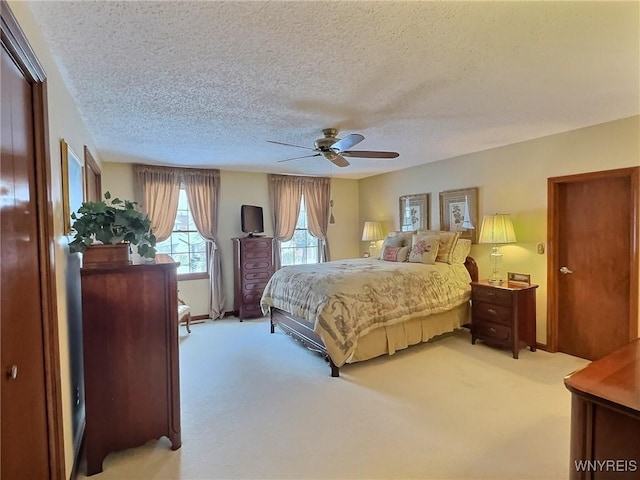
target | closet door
[{"x": 24, "y": 405}]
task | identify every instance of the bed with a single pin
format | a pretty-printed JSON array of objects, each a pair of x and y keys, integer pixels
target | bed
[{"x": 355, "y": 310}]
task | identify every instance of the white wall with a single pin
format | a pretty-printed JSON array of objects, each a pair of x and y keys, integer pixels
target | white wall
[
  {"x": 511, "y": 179},
  {"x": 237, "y": 188}
]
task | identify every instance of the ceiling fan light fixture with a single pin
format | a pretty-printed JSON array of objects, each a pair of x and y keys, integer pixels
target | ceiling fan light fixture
[
  {"x": 324, "y": 144},
  {"x": 335, "y": 150}
]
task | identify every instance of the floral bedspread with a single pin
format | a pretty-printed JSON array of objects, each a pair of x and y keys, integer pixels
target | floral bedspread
[{"x": 346, "y": 299}]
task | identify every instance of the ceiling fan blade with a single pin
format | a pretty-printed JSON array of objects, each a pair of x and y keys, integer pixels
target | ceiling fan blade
[
  {"x": 367, "y": 154},
  {"x": 338, "y": 160},
  {"x": 347, "y": 142},
  {"x": 290, "y": 145},
  {"x": 295, "y": 158}
]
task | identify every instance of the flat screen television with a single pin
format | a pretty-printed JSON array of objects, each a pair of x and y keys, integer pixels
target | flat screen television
[{"x": 251, "y": 219}]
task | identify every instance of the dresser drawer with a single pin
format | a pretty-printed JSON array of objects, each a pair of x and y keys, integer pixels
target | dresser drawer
[
  {"x": 491, "y": 295},
  {"x": 492, "y": 312},
  {"x": 489, "y": 331},
  {"x": 255, "y": 244},
  {"x": 257, "y": 254},
  {"x": 264, "y": 265},
  {"x": 252, "y": 310},
  {"x": 254, "y": 287},
  {"x": 252, "y": 298},
  {"x": 256, "y": 276}
]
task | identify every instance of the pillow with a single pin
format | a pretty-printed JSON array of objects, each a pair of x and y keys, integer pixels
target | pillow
[
  {"x": 448, "y": 242},
  {"x": 424, "y": 249},
  {"x": 406, "y": 236},
  {"x": 461, "y": 250},
  {"x": 395, "y": 254},
  {"x": 390, "y": 242},
  {"x": 396, "y": 239}
]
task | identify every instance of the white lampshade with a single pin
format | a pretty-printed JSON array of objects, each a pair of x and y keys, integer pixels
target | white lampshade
[
  {"x": 372, "y": 232},
  {"x": 497, "y": 228}
]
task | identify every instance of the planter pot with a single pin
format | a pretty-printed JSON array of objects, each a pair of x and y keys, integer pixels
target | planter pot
[{"x": 97, "y": 256}]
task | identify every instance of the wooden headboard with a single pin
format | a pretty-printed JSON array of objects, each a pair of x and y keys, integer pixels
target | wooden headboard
[{"x": 472, "y": 268}]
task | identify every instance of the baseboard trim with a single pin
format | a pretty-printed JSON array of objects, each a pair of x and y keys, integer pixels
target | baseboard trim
[
  {"x": 542, "y": 346},
  {"x": 199, "y": 317}
]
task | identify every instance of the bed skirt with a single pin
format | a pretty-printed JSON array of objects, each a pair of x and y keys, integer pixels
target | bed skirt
[{"x": 381, "y": 341}]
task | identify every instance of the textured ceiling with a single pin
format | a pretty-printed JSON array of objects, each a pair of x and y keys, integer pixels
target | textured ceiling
[{"x": 208, "y": 83}]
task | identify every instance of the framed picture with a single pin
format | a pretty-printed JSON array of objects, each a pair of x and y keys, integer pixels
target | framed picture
[
  {"x": 518, "y": 279},
  {"x": 414, "y": 212},
  {"x": 72, "y": 183},
  {"x": 454, "y": 206}
]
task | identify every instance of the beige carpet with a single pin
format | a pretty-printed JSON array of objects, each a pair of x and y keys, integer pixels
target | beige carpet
[{"x": 259, "y": 406}]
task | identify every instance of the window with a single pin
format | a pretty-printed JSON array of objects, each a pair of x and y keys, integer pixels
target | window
[
  {"x": 303, "y": 247},
  {"x": 185, "y": 244}
]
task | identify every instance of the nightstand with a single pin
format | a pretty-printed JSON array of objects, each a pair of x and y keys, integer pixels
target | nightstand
[{"x": 504, "y": 316}]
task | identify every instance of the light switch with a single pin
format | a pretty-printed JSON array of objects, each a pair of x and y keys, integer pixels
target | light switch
[{"x": 540, "y": 248}]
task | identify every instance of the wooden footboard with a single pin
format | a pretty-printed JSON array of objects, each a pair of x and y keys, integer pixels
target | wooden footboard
[{"x": 302, "y": 331}]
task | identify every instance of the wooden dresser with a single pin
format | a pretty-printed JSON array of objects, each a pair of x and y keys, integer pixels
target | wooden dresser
[
  {"x": 253, "y": 266},
  {"x": 504, "y": 315},
  {"x": 605, "y": 417},
  {"x": 130, "y": 349}
]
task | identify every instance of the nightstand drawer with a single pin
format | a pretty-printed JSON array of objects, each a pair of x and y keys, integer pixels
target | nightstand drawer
[
  {"x": 489, "y": 331},
  {"x": 492, "y": 312},
  {"x": 491, "y": 295}
]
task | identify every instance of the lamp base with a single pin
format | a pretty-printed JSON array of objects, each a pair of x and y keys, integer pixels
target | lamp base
[
  {"x": 496, "y": 259},
  {"x": 373, "y": 249}
]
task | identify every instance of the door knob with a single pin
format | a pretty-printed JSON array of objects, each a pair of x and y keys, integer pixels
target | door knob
[
  {"x": 13, "y": 372},
  {"x": 565, "y": 270}
]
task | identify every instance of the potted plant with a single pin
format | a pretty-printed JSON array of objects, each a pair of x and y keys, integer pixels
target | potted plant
[{"x": 111, "y": 222}]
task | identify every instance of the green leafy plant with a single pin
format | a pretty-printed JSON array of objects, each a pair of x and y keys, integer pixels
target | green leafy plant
[{"x": 112, "y": 221}]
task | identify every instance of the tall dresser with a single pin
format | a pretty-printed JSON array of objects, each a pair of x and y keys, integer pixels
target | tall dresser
[
  {"x": 130, "y": 349},
  {"x": 253, "y": 266}
]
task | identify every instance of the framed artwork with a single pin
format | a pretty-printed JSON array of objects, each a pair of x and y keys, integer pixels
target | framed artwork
[
  {"x": 454, "y": 205},
  {"x": 72, "y": 183},
  {"x": 414, "y": 212},
  {"x": 518, "y": 279}
]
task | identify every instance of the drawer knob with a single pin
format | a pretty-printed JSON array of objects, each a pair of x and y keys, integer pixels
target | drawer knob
[
  {"x": 492, "y": 330},
  {"x": 492, "y": 311}
]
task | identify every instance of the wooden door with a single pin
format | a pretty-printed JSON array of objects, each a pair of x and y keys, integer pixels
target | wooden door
[
  {"x": 593, "y": 262},
  {"x": 93, "y": 178},
  {"x": 24, "y": 420},
  {"x": 31, "y": 445}
]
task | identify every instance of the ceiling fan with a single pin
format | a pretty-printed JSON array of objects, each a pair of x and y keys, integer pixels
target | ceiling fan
[{"x": 335, "y": 150}]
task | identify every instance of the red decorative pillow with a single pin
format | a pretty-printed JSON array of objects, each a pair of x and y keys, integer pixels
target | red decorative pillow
[{"x": 390, "y": 254}]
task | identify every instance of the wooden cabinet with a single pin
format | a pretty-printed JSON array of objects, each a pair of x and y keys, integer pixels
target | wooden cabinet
[
  {"x": 605, "y": 417},
  {"x": 130, "y": 349},
  {"x": 253, "y": 267},
  {"x": 504, "y": 316}
]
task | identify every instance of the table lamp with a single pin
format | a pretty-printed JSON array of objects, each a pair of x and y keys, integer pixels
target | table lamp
[
  {"x": 372, "y": 232},
  {"x": 496, "y": 229}
]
